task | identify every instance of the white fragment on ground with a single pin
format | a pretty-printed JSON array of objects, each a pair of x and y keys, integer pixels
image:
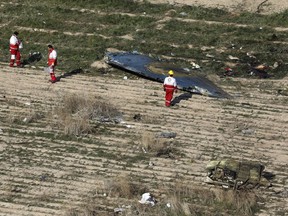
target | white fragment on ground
[
  {"x": 147, "y": 199},
  {"x": 151, "y": 163},
  {"x": 233, "y": 58},
  {"x": 117, "y": 210}
]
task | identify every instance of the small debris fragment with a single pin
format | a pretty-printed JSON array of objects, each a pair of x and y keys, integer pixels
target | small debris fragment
[
  {"x": 248, "y": 131},
  {"x": 183, "y": 14},
  {"x": 118, "y": 210},
  {"x": 283, "y": 92},
  {"x": 228, "y": 71},
  {"x": 137, "y": 117},
  {"x": 166, "y": 135},
  {"x": 210, "y": 56},
  {"x": 195, "y": 66},
  {"x": 233, "y": 58},
  {"x": 147, "y": 198}
]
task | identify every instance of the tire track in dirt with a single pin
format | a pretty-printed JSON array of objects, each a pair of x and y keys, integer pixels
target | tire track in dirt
[{"x": 246, "y": 127}]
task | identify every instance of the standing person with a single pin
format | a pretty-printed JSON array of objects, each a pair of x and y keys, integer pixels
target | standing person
[
  {"x": 15, "y": 46},
  {"x": 52, "y": 62},
  {"x": 169, "y": 86}
]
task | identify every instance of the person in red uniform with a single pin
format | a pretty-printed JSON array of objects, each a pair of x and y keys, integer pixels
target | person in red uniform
[
  {"x": 52, "y": 62},
  {"x": 169, "y": 86},
  {"x": 15, "y": 46}
]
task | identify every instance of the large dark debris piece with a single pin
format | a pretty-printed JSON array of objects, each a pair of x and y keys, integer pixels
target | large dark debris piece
[
  {"x": 234, "y": 174},
  {"x": 156, "y": 70},
  {"x": 33, "y": 57}
]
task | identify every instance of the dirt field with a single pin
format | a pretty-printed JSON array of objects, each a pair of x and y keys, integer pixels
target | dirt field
[
  {"x": 45, "y": 173},
  {"x": 46, "y": 177}
]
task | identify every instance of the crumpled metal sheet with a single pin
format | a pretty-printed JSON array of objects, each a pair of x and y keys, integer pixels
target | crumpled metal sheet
[{"x": 154, "y": 69}]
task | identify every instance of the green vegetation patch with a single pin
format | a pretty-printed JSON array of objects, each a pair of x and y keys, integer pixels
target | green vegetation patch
[{"x": 82, "y": 31}]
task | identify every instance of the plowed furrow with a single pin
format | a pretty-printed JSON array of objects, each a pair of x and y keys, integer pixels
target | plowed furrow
[{"x": 55, "y": 173}]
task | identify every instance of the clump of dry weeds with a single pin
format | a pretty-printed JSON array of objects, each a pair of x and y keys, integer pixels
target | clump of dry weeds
[
  {"x": 187, "y": 200},
  {"x": 160, "y": 147},
  {"x": 150, "y": 143},
  {"x": 123, "y": 186},
  {"x": 77, "y": 113}
]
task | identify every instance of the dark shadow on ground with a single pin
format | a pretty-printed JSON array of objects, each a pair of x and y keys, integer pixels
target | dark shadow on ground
[
  {"x": 68, "y": 74},
  {"x": 184, "y": 96}
]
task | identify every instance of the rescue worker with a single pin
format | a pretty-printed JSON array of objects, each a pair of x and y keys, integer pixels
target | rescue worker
[
  {"x": 15, "y": 46},
  {"x": 52, "y": 62},
  {"x": 169, "y": 86}
]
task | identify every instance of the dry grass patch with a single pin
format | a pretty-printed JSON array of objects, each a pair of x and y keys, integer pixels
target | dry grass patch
[
  {"x": 150, "y": 143},
  {"x": 77, "y": 114},
  {"x": 178, "y": 199},
  {"x": 123, "y": 186},
  {"x": 187, "y": 200},
  {"x": 88, "y": 209},
  {"x": 30, "y": 116},
  {"x": 158, "y": 146}
]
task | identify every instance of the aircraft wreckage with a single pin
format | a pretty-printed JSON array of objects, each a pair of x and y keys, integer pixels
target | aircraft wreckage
[
  {"x": 156, "y": 70},
  {"x": 237, "y": 174}
]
